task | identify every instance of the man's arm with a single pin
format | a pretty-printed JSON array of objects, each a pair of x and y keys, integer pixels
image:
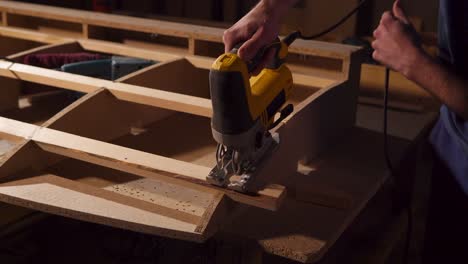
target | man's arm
[
  {"x": 443, "y": 83},
  {"x": 258, "y": 28},
  {"x": 397, "y": 46}
]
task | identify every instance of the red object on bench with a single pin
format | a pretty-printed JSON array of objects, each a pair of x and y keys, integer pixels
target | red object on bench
[{"x": 56, "y": 60}]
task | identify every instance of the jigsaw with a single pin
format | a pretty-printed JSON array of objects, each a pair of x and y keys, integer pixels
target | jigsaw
[{"x": 245, "y": 109}]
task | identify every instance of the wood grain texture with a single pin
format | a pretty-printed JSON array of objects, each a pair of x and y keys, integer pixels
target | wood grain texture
[
  {"x": 48, "y": 194},
  {"x": 304, "y": 229},
  {"x": 133, "y": 161}
]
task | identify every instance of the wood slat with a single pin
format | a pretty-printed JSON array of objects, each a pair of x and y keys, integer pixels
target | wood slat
[
  {"x": 131, "y": 93},
  {"x": 158, "y": 26},
  {"x": 133, "y": 161}
]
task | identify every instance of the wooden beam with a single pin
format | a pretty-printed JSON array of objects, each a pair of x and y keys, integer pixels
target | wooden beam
[
  {"x": 133, "y": 161},
  {"x": 124, "y": 50},
  {"x": 108, "y": 20},
  {"x": 48, "y": 193},
  {"x": 126, "y": 159},
  {"x": 167, "y": 100},
  {"x": 131, "y": 93},
  {"x": 13, "y": 32},
  {"x": 152, "y": 26},
  {"x": 50, "y": 77}
]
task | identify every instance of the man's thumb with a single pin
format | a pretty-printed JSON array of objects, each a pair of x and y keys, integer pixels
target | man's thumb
[{"x": 399, "y": 13}]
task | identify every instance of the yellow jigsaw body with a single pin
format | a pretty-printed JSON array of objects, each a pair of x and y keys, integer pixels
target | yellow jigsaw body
[
  {"x": 245, "y": 109},
  {"x": 261, "y": 90}
]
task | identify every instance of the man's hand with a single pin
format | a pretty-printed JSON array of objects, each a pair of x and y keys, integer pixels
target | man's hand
[
  {"x": 397, "y": 46},
  {"x": 257, "y": 29},
  {"x": 396, "y": 42}
]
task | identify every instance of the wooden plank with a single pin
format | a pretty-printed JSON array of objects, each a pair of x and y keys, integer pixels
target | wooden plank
[
  {"x": 17, "y": 129},
  {"x": 124, "y": 50},
  {"x": 96, "y": 151},
  {"x": 31, "y": 35},
  {"x": 157, "y": 26},
  {"x": 167, "y": 100},
  {"x": 133, "y": 161},
  {"x": 50, "y": 194},
  {"x": 157, "y": 208},
  {"x": 105, "y": 20},
  {"x": 145, "y": 165},
  {"x": 209, "y": 208},
  {"x": 50, "y": 77},
  {"x": 108, "y": 195},
  {"x": 131, "y": 93}
]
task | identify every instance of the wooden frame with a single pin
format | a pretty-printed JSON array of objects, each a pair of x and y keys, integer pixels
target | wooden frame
[
  {"x": 306, "y": 56},
  {"x": 153, "y": 34},
  {"x": 100, "y": 145}
]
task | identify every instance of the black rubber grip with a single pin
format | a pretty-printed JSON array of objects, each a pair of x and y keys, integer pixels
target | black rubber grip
[{"x": 231, "y": 114}]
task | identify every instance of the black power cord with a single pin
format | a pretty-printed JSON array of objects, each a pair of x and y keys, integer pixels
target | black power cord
[
  {"x": 385, "y": 122},
  {"x": 409, "y": 229},
  {"x": 298, "y": 34}
]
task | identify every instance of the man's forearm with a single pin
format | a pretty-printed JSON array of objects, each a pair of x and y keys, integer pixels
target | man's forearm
[{"x": 448, "y": 87}]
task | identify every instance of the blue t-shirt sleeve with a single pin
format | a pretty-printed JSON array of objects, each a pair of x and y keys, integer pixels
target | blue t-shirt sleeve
[
  {"x": 456, "y": 127},
  {"x": 449, "y": 137}
]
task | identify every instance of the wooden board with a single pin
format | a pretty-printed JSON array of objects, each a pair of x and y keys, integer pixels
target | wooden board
[
  {"x": 306, "y": 228},
  {"x": 152, "y": 129}
]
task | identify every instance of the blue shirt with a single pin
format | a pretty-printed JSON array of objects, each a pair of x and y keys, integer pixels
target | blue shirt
[{"x": 449, "y": 137}]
